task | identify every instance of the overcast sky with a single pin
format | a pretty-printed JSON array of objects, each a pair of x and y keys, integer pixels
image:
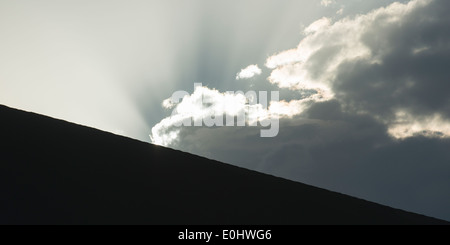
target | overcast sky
[{"x": 365, "y": 85}]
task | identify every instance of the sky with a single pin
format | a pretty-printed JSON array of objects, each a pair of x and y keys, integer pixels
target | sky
[{"x": 364, "y": 86}]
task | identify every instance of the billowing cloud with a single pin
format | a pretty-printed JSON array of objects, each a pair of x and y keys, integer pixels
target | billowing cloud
[
  {"x": 209, "y": 107},
  {"x": 214, "y": 108},
  {"x": 248, "y": 72},
  {"x": 365, "y": 62}
]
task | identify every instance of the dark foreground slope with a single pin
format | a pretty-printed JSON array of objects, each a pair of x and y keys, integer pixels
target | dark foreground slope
[{"x": 55, "y": 172}]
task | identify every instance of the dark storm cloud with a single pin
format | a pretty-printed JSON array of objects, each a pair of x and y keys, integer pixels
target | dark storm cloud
[{"x": 412, "y": 73}]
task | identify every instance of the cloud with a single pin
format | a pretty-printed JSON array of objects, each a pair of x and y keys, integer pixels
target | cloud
[
  {"x": 376, "y": 123},
  {"x": 327, "y": 3},
  {"x": 317, "y": 25},
  {"x": 192, "y": 109},
  {"x": 209, "y": 107},
  {"x": 365, "y": 62},
  {"x": 222, "y": 108},
  {"x": 406, "y": 125},
  {"x": 248, "y": 72}
]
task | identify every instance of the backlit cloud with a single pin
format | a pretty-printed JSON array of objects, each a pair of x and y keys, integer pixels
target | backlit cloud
[
  {"x": 248, "y": 72},
  {"x": 368, "y": 112},
  {"x": 323, "y": 56}
]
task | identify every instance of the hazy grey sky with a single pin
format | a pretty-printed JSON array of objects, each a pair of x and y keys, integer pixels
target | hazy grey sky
[{"x": 381, "y": 132}]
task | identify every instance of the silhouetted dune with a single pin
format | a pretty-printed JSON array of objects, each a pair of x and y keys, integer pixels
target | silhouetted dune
[{"x": 55, "y": 172}]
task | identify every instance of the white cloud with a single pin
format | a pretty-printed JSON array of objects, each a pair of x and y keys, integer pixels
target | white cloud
[
  {"x": 420, "y": 50},
  {"x": 407, "y": 125},
  {"x": 317, "y": 25},
  {"x": 306, "y": 66},
  {"x": 248, "y": 72},
  {"x": 168, "y": 104},
  {"x": 201, "y": 103},
  {"x": 208, "y": 103},
  {"x": 327, "y": 3},
  {"x": 284, "y": 58}
]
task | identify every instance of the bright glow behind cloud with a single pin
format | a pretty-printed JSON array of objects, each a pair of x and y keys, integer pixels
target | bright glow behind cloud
[
  {"x": 205, "y": 102},
  {"x": 406, "y": 125}
]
